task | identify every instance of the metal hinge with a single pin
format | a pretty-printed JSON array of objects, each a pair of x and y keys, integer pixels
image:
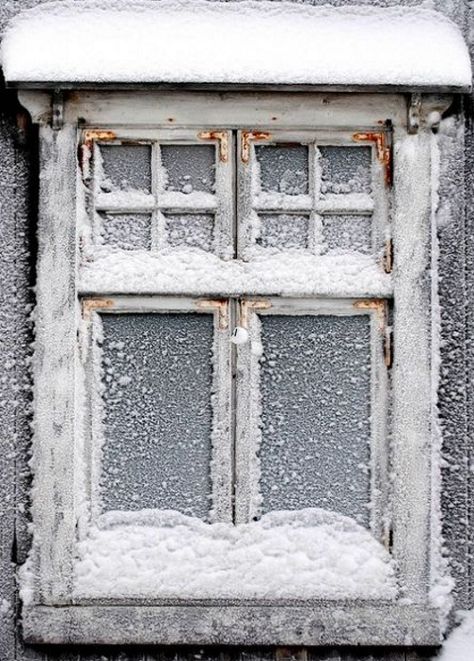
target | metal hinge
[
  {"x": 388, "y": 256},
  {"x": 219, "y": 305},
  {"x": 57, "y": 119},
  {"x": 222, "y": 137},
  {"x": 383, "y": 147},
  {"x": 414, "y": 113},
  {"x": 247, "y": 137}
]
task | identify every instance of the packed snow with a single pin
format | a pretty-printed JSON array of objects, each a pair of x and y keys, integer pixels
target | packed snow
[
  {"x": 192, "y": 270},
  {"x": 460, "y": 644},
  {"x": 235, "y": 42},
  {"x": 307, "y": 554}
]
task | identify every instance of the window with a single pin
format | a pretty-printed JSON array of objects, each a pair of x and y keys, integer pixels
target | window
[{"x": 222, "y": 441}]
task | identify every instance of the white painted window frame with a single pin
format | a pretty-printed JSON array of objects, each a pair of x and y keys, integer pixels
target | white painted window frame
[{"x": 49, "y": 613}]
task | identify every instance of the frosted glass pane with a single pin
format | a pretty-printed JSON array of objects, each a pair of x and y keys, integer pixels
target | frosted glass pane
[
  {"x": 192, "y": 230},
  {"x": 189, "y": 167},
  {"x": 315, "y": 385},
  {"x": 126, "y": 231},
  {"x": 126, "y": 167},
  {"x": 346, "y": 232},
  {"x": 284, "y": 231},
  {"x": 346, "y": 170},
  {"x": 283, "y": 168},
  {"x": 157, "y": 426}
]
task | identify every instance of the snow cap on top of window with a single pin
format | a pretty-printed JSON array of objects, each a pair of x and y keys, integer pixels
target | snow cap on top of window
[{"x": 245, "y": 42}]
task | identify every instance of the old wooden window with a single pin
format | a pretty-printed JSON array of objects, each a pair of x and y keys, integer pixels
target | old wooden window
[{"x": 217, "y": 341}]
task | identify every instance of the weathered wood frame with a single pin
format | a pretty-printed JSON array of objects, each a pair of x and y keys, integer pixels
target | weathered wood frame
[{"x": 49, "y": 616}]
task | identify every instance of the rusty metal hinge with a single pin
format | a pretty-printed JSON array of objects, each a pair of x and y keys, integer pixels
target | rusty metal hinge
[
  {"x": 253, "y": 304},
  {"x": 249, "y": 137},
  {"x": 219, "y": 305},
  {"x": 388, "y": 256},
  {"x": 89, "y": 305},
  {"x": 383, "y": 149},
  {"x": 222, "y": 137}
]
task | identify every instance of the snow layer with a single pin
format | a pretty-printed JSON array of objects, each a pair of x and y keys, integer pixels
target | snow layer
[
  {"x": 235, "y": 42},
  {"x": 307, "y": 554},
  {"x": 185, "y": 271},
  {"x": 460, "y": 644}
]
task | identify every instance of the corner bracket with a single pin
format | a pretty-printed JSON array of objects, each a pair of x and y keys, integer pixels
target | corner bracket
[{"x": 414, "y": 113}]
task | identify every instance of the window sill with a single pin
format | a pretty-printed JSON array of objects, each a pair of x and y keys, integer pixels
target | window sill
[{"x": 321, "y": 623}]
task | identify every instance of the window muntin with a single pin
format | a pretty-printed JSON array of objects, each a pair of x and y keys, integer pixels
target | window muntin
[
  {"x": 172, "y": 188},
  {"x": 323, "y": 192}
]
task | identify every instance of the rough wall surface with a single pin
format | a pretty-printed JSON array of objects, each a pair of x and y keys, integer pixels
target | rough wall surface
[{"x": 18, "y": 153}]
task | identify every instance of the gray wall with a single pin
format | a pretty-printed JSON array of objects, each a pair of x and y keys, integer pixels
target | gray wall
[{"x": 18, "y": 176}]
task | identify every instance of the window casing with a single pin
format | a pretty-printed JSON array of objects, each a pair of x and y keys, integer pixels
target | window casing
[{"x": 237, "y": 272}]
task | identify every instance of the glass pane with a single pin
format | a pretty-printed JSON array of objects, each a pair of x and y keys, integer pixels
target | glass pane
[
  {"x": 157, "y": 420},
  {"x": 284, "y": 231},
  {"x": 193, "y": 230},
  {"x": 315, "y": 386},
  {"x": 189, "y": 167},
  {"x": 346, "y": 170},
  {"x": 283, "y": 168},
  {"x": 126, "y": 167},
  {"x": 126, "y": 231},
  {"x": 346, "y": 232}
]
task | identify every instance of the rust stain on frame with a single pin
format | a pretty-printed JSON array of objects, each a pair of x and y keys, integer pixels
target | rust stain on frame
[
  {"x": 89, "y": 305},
  {"x": 88, "y": 138},
  {"x": 383, "y": 149},
  {"x": 222, "y": 308},
  {"x": 222, "y": 137},
  {"x": 247, "y": 138}
]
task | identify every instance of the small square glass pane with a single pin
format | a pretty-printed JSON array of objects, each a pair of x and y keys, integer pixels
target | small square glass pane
[
  {"x": 315, "y": 387},
  {"x": 126, "y": 231},
  {"x": 283, "y": 169},
  {"x": 347, "y": 232},
  {"x": 189, "y": 168},
  {"x": 125, "y": 167},
  {"x": 345, "y": 170},
  {"x": 284, "y": 231},
  {"x": 157, "y": 383},
  {"x": 190, "y": 230}
]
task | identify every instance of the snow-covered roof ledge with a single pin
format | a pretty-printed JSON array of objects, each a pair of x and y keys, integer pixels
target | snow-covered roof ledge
[{"x": 248, "y": 43}]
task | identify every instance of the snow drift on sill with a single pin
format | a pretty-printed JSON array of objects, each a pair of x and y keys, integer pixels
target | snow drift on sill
[
  {"x": 236, "y": 42},
  {"x": 459, "y": 645},
  {"x": 311, "y": 553},
  {"x": 188, "y": 270}
]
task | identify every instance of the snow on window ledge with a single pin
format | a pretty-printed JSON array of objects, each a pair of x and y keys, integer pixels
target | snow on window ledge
[{"x": 243, "y": 42}]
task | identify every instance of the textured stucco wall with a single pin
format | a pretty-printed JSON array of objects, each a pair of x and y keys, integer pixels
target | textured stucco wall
[{"x": 18, "y": 173}]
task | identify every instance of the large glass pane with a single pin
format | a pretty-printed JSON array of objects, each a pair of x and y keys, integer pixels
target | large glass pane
[
  {"x": 190, "y": 230},
  {"x": 126, "y": 167},
  {"x": 126, "y": 231},
  {"x": 189, "y": 168},
  {"x": 283, "y": 168},
  {"x": 284, "y": 231},
  {"x": 315, "y": 387},
  {"x": 346, "y": 170},
  {"x": 157, "y": 412},
  {"x": 347, "y": 232}
]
